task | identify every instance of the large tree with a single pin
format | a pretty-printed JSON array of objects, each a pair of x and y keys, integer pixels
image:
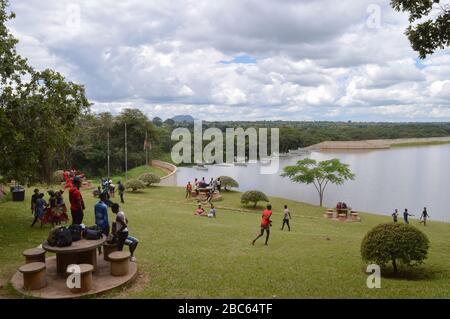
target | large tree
[
  {"x": 433, "y": 30},
  {"x": 38, "y": 112},
  {"x": 320, "y": 174}
]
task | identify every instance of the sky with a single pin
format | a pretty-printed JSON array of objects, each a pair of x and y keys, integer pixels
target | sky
[{"x": 238, "y": 59}]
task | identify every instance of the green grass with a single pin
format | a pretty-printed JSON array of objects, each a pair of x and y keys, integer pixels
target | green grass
[
  {"x": 137, "y": 171},
  {"x": 184, "y": 256}
]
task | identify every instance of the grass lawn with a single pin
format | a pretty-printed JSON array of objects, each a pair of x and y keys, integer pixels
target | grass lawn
[
  {"x": 138, "y": 171},
  {"x": 184, "y": 256}
]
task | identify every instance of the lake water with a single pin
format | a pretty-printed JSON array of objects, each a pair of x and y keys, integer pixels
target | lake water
[{"x": 409, "y": 177}]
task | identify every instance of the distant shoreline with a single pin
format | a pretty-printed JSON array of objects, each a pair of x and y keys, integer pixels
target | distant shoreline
[{"x": 379, "y": 144}]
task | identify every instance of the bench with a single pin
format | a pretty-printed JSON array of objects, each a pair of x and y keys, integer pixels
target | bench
[
  {"x": 120, "y": 263},
  {"x": 108, "y": 249},
  {"x": 85, "y": 283},
  {"x": 34, "y": 255},
  {"x": 33, "y": 276}
]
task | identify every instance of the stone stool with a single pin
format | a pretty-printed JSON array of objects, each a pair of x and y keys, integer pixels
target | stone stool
[
  {"x": 85, "y": 278},
  {"x": 33, "y": 276},
  {"x": 120, "y": 263},
  {"x": 34, "y": 255},
  {"x": 355, "y": 216},
  {"x": 342, "y": 217},
  {"x": 108, "y": 249}
]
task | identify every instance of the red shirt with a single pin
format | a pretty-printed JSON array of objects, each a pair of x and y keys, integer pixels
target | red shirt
[
  {"x": 74, "y": 197},
  {"x": 189, "y": 187},
  {"x": 265, "y": 218}
]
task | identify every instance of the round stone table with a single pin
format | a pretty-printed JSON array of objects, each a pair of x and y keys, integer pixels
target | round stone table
[{"x": 80, "y": 252}]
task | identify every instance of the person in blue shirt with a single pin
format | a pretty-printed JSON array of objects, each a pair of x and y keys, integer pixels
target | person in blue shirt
[
  {"x": 405, "y": 216},
  {"x": 101, "y": 216}
]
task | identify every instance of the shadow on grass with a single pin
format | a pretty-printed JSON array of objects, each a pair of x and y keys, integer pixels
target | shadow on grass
[{"x": 417, "y": 273}]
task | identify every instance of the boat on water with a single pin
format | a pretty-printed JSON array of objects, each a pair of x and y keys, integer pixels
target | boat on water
[
  {"x": 201, "y": 167},
  {"x": 240, "y": 164},
  {"x": 299, "y": 152},
  {"x": 224, "y": 165}
]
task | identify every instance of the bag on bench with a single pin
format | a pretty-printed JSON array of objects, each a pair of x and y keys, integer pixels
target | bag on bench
[
  {"x": 51, "y": 239},
  {"x": 93, "y": 233},
  {"x": 63, "y": 237},
  {"x": 76, "y": 231}
]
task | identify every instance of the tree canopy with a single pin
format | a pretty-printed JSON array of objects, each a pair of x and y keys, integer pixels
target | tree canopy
[
  {"x": 320, "y": 174},
  {"x": 431, "y": 33}
]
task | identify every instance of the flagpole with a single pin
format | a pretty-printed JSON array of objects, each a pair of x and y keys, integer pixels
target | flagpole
[
  {"x": 126, "y": 154},
  {"x": 109, "y": 171}
]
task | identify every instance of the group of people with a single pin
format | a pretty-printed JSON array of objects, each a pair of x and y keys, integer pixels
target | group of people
[
  {"x": 423, "y": 218},
  {"x": 200, "y": 211},
  {"x": 213, "y": 186},
  {"x": 107, "y": 187},
  {"x": 69, "y": 175},
  {"x": 54, "y": 212}
]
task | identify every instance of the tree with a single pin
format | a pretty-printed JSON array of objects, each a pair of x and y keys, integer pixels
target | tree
[
  {"x": 38, "y": 111},
  {"x": 149, "y": 179},
  {"x": 134, "y": 184},
  {"x": 157, "y": 121},
  {"x": 227, "y": 181},
  {"x": 429, "y": 35},
  {"x": 320, "y": 174},
  {"x": 395, "y": 243},
  {"x": 253, "y": 197}
]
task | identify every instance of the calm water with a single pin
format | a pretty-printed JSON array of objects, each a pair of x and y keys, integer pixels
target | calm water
[{"x": 385, "y": 179}]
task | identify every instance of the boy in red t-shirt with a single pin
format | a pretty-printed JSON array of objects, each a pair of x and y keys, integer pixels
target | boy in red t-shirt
[
  {"x": 266, "y": 223},
  {"x": 188, "y": 190}
]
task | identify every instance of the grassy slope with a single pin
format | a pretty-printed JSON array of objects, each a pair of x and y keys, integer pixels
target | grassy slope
[
  {"x": 419, "y": 144},
  {"x": 184, "y": 256},
  {"x": 136, "y": 172}
]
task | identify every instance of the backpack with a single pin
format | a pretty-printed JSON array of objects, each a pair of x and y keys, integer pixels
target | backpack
[
  {"x": 63, "y": 237},
  {"x": 51, "y": 239},
  {"x": 76, "y": 232},
  {"x": 93, "y": 233}
]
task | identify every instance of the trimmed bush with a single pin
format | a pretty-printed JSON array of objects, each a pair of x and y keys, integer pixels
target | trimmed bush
[
  {"x": 253, "y": 197},
  {"x": 134, "y": 184},
  {"x": 228, "y": 182},
  {"x": 395, "y": 243},
  {"x": 58, "y": 176},
  {"x": 149, "y": 179}
]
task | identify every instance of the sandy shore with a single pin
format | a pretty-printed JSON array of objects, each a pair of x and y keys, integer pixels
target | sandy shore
[{"x": 377, "y": 144}]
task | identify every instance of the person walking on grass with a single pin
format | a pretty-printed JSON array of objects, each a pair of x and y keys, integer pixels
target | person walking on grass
[
  {"x": 286, "y": 218},
  {"x": 121, "y": 231},
  {"x": 39, "y": 209},
  {"x": 395, "y": 216},
  {"x": 101, "y": 216},
  {"x": 406, "y": 214},
  {"x": 188, "y": 190},
  {"x": 33, "y": 201},
  {"x": 266, "y": 223},
  {"x": 76, "y": 202},
  {"x": 121, "y": 189},
  {"x": 424, "y": 216}
]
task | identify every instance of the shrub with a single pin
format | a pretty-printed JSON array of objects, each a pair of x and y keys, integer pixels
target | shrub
[
  {"x": 134, "y": 184},
  {"x": 149, "y": 179},
  {"x": 253, "y": 197},
  {"x": 228, "y": 182},
  {"x": 58, "y": 176},
  {"x": 395, "y": 243}
]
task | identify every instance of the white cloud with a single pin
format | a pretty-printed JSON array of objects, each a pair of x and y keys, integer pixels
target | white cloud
[{"x": 315, "y": 59}]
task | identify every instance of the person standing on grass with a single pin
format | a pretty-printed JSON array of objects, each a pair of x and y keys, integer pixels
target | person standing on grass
[
  {"x": 39, "y": 209},
  {"x": 424, "y": 216},
  {"x": 121, "y": 189},
  {"x": 121, "y": 231},
  {"x": 101, "y": 216},
  {"x": 76, "y": 202},
  {"x": 266, "y": 223},
  {"x": 405, "y": 216},
  {"x": 395, "y": 215},
  {"x": 188, "y": 190},
  {"x": 286, "y": 218}
]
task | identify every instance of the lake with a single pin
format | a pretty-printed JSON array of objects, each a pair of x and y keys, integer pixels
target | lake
[{"x": 406, "y": 177}]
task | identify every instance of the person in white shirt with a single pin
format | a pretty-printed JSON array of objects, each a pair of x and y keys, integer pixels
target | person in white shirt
[
  {"x": 121, "y": 231},
  {"x": 287, "y": 216}
]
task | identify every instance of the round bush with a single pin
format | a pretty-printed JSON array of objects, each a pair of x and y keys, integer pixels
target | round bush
[
  {"x": 228, "y": 182},
  {"x": 150, "y": 179},
  {"x": 253, "y": 197},
  {"x": 58, "y": 176},
  {"x": 134, "y": 184},
  {"x": 395, "y": 243}
]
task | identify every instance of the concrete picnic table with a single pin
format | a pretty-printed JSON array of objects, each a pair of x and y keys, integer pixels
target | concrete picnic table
[{"x": 80, "y": 252}]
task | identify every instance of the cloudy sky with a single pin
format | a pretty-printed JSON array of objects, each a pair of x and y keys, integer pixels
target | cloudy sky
[{"x": 238, "y": 59}]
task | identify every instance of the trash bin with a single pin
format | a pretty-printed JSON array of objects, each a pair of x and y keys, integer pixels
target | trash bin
[{"x": 18, "y": 194}]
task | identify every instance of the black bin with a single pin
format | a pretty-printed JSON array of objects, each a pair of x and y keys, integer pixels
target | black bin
[{"x": 18, "y": 194}]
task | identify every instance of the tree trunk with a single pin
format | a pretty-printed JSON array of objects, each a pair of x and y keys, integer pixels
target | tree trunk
[
  {"x": 254, "y": 206},
  {"x": 394, "y": 264},
  {"x": 321, "y": 199}
]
